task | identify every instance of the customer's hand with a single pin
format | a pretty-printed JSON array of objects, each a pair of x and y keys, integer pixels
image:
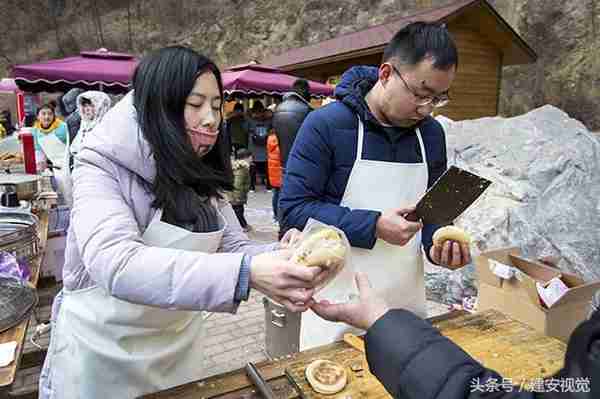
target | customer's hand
[
  {"x": 361, "y": 314},
  {"x": 451, "y": 254},
  {"x": 290, "y": 238},
  {"x": 393, "y": 227},
  {"x": 292, "y": 285}
]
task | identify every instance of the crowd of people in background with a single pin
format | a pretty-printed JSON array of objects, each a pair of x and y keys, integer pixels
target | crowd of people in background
[
  {"x": 261, "y": 140},
  {"x": 260, "y": 137}
]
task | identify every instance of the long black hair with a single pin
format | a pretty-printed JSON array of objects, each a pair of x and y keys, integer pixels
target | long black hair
[{"x": 161, "y": 83}]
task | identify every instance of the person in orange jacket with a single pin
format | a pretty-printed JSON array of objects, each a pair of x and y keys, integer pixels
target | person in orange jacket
[{"x": 274, "y": 169}]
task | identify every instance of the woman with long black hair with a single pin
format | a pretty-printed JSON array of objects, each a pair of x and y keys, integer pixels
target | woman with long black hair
[{"x": 152, "y": 242}]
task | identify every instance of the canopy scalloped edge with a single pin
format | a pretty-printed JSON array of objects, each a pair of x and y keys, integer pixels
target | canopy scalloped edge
[
  {"x": 72, "y": 82},
  {"x": 267, "y": 93}
]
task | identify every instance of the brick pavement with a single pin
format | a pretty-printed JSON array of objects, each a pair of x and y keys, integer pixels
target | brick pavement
[{"x": 232, "y": 340}]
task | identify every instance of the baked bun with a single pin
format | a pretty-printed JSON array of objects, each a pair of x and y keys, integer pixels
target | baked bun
[
  {"x": 326, "y": 377},
  {"x": 450, "y": 233},
  {"x": 324, "y": 248}
]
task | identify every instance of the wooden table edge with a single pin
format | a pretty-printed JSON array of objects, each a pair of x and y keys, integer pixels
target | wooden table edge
[
  {"x": 11, "y": 370},
  {"x": 265, "y": 368}
]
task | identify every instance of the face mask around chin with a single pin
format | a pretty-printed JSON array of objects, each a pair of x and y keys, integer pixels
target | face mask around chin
[{"x": 201, "y": 137}]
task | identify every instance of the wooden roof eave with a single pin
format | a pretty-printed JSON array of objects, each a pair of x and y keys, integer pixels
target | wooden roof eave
[
  {"x": 335, "y": 58},
  {"x": 518, "y": 53}
]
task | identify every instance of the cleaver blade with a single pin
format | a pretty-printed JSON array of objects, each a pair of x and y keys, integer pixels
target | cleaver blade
[{"x": 454, "y": 192}]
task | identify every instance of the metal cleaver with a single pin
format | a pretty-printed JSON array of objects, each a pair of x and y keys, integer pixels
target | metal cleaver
[{"x": 449, "y": 197}]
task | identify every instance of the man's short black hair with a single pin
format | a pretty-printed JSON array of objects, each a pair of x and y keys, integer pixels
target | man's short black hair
[
  {"x": 238, "y": 107},
  {"x": 420, "y": 40},
  {"x": 301, "y": 87}
]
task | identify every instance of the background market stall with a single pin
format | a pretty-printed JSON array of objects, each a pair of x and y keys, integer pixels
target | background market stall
[
  {"x": 249, "y": 81},
  {"x": 102, "y": 70}
]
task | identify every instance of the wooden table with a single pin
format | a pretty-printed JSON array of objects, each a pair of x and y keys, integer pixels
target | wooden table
[
  {"x": 18, "y": 333},
  {"x": 489, "y": 329}
]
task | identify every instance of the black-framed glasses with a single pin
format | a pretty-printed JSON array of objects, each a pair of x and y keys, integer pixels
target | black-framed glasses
[{"x": 421, "y": 101}]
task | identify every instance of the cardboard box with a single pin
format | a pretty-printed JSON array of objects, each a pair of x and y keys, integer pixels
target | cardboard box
[{"x": 518, "y": 297}]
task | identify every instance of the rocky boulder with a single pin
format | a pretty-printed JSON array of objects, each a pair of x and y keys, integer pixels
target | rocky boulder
[{"x": 545, "y": 196}]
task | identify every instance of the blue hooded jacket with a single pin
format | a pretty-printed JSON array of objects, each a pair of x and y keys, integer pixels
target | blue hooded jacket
[{"x": 324, "y": 152}]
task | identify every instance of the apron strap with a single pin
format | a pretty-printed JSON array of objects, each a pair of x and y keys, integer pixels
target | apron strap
[
  {"x": 156, "y": 217},
  {"x": 359, "y": 143},
  {"x": 423, "y": 153}
]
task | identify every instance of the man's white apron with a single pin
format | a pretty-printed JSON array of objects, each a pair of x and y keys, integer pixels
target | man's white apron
[
  {"x": 396, "y": 272},
  {"x": 109, "y": 348}
]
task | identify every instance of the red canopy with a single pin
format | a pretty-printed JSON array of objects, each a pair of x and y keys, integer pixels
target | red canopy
[
  {"x": 259, "y": 79},
  {"x": 91, "y": 70}
]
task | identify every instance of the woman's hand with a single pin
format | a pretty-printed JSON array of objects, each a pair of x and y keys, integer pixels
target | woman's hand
[
  {"x": 292, "y": 285},
  {"x": 290, "y": 238}
]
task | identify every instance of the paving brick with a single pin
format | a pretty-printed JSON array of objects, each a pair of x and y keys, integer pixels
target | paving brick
[
  {"x": 225, "y": 357},
  {"x": 214, "y": 338},
  {"x": 217, "y": 330},
  {"x": 209, "y": 363},
  {"x": 208, "y": 324},
  {"x": 248, "y": 330},
  {"x": 250, "y": 322},
  {"x": 214, "y": 349},
  {"x": 239, "y": 343},
  {"x": 225, "y": 321},
  {"x": 254, "y": 313}
]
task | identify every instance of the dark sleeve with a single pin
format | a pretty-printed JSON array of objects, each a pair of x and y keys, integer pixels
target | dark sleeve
[
  {"x": 73, "y": 122},
  {"x": 307, "y": 173},
  {"x": 414, "y": 361},
  {"x": 437, "y": 165},
  {"x": 582, "y": 360},
  {"x": 227, "y": 137}
]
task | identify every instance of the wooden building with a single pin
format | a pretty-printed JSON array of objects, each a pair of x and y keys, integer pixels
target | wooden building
[{"x": 485, "y": 42}]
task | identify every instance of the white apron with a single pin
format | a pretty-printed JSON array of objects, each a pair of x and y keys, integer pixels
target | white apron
[
  {"x": 57, "y": 152},
  {"x": 395, "y": 272},
  {"x": 53, "y": 148},
  {"x": 109, "y": 348}
]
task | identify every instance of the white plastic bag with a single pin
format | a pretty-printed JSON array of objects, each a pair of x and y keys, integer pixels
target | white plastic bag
[{"x": 305, "y": 248}]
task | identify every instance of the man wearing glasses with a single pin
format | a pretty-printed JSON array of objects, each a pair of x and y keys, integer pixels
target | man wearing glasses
[{"x": 361, "y": 163}]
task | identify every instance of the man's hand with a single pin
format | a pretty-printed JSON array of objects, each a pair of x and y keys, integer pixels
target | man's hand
[
  {"x": 362, "y": 314},
  {"x": 451, "y": 254},
  {"x": 393, "y": 228}
]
